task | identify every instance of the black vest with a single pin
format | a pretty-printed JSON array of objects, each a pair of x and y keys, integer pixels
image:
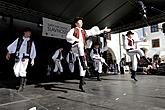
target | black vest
[
  {"x": 97, "y": 52},
  {"x": 70, "y": 57},
  {"x": 29, "y": 45}
]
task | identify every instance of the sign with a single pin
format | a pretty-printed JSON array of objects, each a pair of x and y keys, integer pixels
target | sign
[{"x": 55, "y": 29}]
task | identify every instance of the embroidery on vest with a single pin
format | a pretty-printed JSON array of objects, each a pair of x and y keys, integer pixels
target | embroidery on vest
[
  {"x": 130, "y": 42},
  {"x": 76, "y": 34}
]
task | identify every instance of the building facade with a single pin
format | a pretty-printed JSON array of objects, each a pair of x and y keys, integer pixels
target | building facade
[{"x": 154, "y": 44}]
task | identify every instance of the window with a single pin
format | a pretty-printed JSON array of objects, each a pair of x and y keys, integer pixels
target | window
[
  {"x": 155, "y": 43},
  {"x": 154, "y": 28}
]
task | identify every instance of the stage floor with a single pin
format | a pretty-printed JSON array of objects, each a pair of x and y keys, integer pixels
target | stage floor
[{"x": 114, "y": 92}]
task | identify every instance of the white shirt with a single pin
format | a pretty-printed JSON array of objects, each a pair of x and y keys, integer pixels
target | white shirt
[
  {"x": 55, "y": 56},
  {"x": 23, "y": 48},
  {"x": 91, "y": 32}
]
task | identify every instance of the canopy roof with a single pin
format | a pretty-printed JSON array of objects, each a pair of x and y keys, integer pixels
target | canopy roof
[{"x": 119, "y": 15}]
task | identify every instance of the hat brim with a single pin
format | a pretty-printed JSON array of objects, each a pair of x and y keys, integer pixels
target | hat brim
[{"x": 129, "y": 33}]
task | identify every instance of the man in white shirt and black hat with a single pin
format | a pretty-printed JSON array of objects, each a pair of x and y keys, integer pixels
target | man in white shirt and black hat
[
  {"x": 77, "y": 37},
  {"x": 132, "y": 51},
  {"x": 24, "y": 50}
]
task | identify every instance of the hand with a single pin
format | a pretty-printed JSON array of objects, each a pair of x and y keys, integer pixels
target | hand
[
  {"x": 106, "y": 29},
  {"x": 8, "y": 56},
  {"x": 32, "y": 62}
]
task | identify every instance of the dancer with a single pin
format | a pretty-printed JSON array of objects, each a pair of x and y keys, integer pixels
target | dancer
[
  {"x": 71, "y": 58},
  {"x": 96, "y": 56},
  {"x": 76, "y": 36},
  {"x": 132, "y": 51},
  {"x": 24, "y": 50},
  {"x": 57, "y": 57}
]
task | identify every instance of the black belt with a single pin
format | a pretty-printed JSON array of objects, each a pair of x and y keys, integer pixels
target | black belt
[
  {"x": 129, "y": 49},
  {"x": 75, "y": 42}
]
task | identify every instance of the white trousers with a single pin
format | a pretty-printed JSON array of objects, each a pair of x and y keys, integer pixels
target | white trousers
[
  {"x": 132, "y": 54},
  {"x": 78, "y": 48},
  {"x": 58, "y": 66},
  {"x": 98, "y": 65},
  {"x": 82, "y": 71},
  {"x": 71, "y": 67},
  {"x": 20, "y": 68}
]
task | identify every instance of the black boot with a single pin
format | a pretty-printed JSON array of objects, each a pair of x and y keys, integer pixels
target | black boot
[
  {"x": 133, "y": 75},
  {"x": 82, "y": 60},
  {"x": 98, "y": 76},
  {"x": 81, "y": 84},
  {"x": 22, "y": 84}
]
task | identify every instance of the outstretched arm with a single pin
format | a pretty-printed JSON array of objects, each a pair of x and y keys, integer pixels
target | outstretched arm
[{"x": 96, "y": 31}]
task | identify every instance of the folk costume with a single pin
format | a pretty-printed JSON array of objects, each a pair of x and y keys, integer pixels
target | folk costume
[
  {"x": 24, "y": 50},
  {"x": 57, "y": 57},
  {"x": 71, "y": 58},
  {"x": 132, "y": 51}
]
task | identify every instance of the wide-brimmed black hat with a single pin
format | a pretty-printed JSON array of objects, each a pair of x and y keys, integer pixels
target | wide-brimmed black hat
[
  {"x": 129, "y": 33},
  {"x": 75, "y": 21},
  {"x": 27, "y": 29}
]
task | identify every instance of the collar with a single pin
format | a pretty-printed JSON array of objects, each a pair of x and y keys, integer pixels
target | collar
[
  {"x": 26, "y": 38},
  {"x": 79, "y": 28}
]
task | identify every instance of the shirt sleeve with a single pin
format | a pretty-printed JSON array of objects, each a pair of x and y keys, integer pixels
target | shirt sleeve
[
  {"x": 70, "y": 38},
  {"x": 126, "y": 43},
  {"x": 55, "y": 55},
  {"x": 67, "y": 58},
  {"x": 93, "y": 31},
  {"x": 91, "y": 54},
  {"x": 33, "y": 51},
  {"x": 12, "y": 47}
]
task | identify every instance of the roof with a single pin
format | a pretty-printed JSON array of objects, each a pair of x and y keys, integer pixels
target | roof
[{"x": 119, "y": 15}]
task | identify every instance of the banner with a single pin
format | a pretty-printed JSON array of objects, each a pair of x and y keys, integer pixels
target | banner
[{"x": 55, "y": 29}]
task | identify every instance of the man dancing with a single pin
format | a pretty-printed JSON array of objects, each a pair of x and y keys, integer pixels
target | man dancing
[
  {"x": 132, "y": 51},
  {"x": 76, "y": 36},
  {"x": 57, "y": 57},
  {"x": 24, "y": 50},
  {"x": 71, "y": 58},
  {"x": 96, "y": 56}
]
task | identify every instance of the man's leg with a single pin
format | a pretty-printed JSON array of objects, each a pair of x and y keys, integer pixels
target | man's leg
[
  {"x": 134, "y": 67},
  {"x": 83, "y": 62},
  {"x": 99, "y": 71},
  {"x": 23, "y": 72},
  {"x": 23, "y": 81},
  {"x": 82, "y": 75},
  {"x": 81, "y": 84},
  {"x": 142, "y": 56},
  {"x": 60, "y": 70},
  {"x": 55, "y": 66},
  {"x": 82, "y": 55}
]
